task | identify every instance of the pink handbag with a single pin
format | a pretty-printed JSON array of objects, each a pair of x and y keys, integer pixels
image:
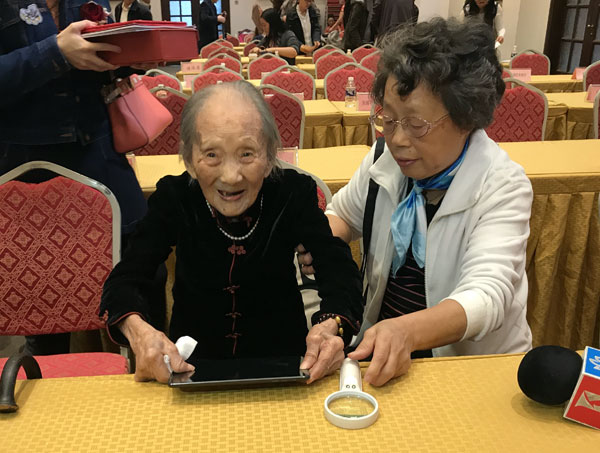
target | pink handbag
[{"x": 136, "y": 116}]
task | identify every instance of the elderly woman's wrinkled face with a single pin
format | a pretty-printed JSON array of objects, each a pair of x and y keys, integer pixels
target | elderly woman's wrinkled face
[
  {"x": 229, "y": 160},
  {"x": 426, "y": 156}
]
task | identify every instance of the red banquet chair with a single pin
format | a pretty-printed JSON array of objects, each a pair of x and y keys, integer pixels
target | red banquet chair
[
  {"x": 365, "y": 50},
  {"x": 156, "y": 77},
  {"x": 226, "y": 51},
  {"x": 591, "y": 75},
  {"x": 213, "y": 76},
  {"x": 330, "y": 61},
  {"x": 371, "y": 61},
  {"x": 335, "y": 81},
  {"x": 223, "y": 60},
  {"x": 210, "y": 48},
  {"x": 265, "y": 63},
  {"x": 232, "y": 39},
  {"x": 168, "y": 141},
  {"x": 248, "y": 48},
  {"x": 531, "y": 59},
  {"x": 292, "y": 80},
  {"x": 321, "y": 51},
  {"x": 323, "y": 192},
  {"x": 289, "y": 115},
  {"x": 521, "y": 115},
  {"x": 59, "y": 240}
]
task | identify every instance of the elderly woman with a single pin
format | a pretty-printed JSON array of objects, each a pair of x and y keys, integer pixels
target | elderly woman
[
  {"x": 235, "y": 219},
  {"x": 446, "y": 266}
]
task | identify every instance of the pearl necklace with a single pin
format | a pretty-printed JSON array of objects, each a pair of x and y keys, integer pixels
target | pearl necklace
[{"x": 230, "y": 236}]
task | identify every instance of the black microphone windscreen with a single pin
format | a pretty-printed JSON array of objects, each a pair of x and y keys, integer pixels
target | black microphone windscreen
[{"x": 549, "y": 374}]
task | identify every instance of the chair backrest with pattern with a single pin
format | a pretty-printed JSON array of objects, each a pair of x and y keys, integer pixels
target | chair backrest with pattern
[
  {"x": 156, "y": 77},
  {"x": 233, "y": 40},
  {"x": 292, "y": 80},
  {"x": 264, "y": 63},
  {"x": 59, "y": 240},
  {"x": 371, "y": 61},
  {"x": 321, "y": 51},
  {"x": 335, "y": 82},
  {"x": 323, "y": 191},
  {"x": 226, "y": 51},
  {"x": 168, "y": 141},
  {"x": 214, "y": 75},
  {"x": 506, "y": 74},
  {"x": 591, "y": 75},
  {"x": 249, "y": 47},
  {"x": 224, "y": 42},
  {"x": 521, "y": 115},
  {"x": 221, "y": 59},
  {"x": 331, "y": 61},
  {"x": 208, "y": 49},
  {"x": 531, "y": 59},
  {"x": 289, "y": 115},
  {"x": 361, "y": 52}
]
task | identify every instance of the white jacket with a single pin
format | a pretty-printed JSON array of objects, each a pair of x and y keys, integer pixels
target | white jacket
[{"x": 476, "y": 244}]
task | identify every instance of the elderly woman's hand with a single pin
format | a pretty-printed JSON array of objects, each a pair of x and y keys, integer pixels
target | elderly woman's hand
[
  {"x": 324, "y": 350},
  {"x": 391, "y": 345},
  {"x": 150, "y": 346},
  {"x": 305, "y": 260}
]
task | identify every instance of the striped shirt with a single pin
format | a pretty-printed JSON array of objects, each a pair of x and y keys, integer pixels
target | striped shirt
[{"x": 405, "y": 291}]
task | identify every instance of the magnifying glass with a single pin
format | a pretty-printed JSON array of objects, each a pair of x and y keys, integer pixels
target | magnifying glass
[{"x": 350, "y": 407}]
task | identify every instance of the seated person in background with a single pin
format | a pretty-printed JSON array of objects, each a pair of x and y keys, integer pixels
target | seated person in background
[
  {"x": 303, "y": 19},
  {"x": 330, "y": 24},
  {"x": 446, "y": 264},
  {"x": 277, "y": 37},
  {"x": 132, "y": 10},
  {"x": 234, "y": 218}
]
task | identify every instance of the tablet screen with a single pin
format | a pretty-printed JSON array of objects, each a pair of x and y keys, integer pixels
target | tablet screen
[{"x": 240, "y": 373}]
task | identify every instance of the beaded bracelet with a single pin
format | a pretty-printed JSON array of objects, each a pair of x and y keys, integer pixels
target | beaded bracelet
[{"x": 338, "y": 320}]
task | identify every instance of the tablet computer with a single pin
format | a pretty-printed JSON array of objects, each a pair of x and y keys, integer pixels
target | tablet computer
[{"x": 221, "y": 374}]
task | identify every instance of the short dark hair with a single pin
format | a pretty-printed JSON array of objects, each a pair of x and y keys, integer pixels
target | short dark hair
[
  {"x": 276, "y": 26},
  {"x": 455, "y": 60}
]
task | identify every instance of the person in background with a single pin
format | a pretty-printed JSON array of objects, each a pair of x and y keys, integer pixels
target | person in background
[
  {"x": 489, "y": 12},
  {"x": 208, "y": 25},
  {"x": 303, "y": 19},
  {"x": 132, "y": 10},
  {"x": 390, "y": 14},
  {"x": 355, "y": 23},
  {"x": 277, "y": 36},
  {"x": 446, "y": 262},
  {"x": 235, "y": 217},
  {"x": 330, "y": 25},
  {"x": 52, "y": 110}
]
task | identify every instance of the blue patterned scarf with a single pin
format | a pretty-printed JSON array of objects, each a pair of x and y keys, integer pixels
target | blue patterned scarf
[{"x": 409, "y": 221}]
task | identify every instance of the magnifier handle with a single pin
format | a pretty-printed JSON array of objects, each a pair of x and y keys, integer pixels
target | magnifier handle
[{"x": 350, "y": 377}]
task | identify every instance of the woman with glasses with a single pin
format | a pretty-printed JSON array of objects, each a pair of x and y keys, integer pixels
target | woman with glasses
[{"x": 446, "y": 263}]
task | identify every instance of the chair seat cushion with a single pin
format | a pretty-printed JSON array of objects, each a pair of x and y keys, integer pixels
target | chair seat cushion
[{"x": 75, "y": 365}]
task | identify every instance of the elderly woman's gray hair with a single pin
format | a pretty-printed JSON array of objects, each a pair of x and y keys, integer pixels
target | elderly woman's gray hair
[
  {"x": 455, "y": 60},
  {"x": 270, "y": 133}
]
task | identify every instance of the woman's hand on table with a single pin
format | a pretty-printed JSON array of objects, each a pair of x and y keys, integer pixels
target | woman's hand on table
[
  {"x": 324, "y": 350},
  {"x": 391, "y": 345},
  {"x": 150, "y": 346},
  {"x": 80, "y": 52}
]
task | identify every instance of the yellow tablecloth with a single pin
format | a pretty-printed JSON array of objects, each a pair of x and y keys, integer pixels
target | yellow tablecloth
[
  {"x": 310, "y": 68},
  {"x": 357, "y": 130},
  {"x": 556, "y": 83},
  {"x": 303, "y": 59},
  {"x": 579, "y": 117},
  {"x": 323, "y": 126},
  {"x": 442, "y": 405}
]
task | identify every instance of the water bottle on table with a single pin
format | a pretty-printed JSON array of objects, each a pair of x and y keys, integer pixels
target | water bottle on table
[{"x": 350, "y": 93}]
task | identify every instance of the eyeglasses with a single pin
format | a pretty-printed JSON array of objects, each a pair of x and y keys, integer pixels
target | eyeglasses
[{"x": 413, "y": 126}]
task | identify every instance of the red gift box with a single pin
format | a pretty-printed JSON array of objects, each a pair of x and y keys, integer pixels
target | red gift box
[{"x": 145, "y": 41}]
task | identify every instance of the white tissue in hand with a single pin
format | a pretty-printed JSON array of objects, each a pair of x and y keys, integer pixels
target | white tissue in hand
[{"x": 185, "y": 346}]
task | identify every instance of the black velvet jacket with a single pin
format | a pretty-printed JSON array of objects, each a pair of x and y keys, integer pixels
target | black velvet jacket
[{"x": 237, "y": 298}]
